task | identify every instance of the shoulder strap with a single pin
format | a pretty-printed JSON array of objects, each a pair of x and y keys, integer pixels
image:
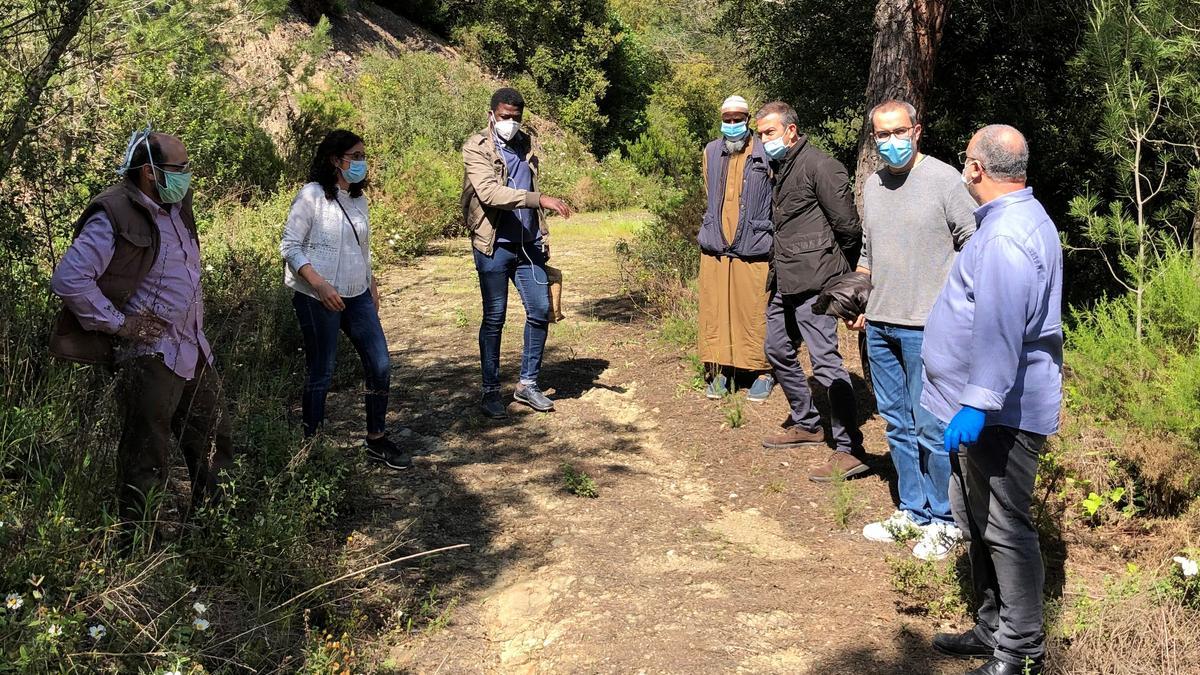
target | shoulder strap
[{"x": 349, "y": 220}]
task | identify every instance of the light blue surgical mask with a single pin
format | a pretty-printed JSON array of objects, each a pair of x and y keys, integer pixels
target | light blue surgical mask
[
  {"x": 896, "y": 152},
  {"x": 775, "y": 148},
  {"x": 357, "y": 172},
  {"x": 733, "y": 130},
  {"x": 174, "y": 187}
]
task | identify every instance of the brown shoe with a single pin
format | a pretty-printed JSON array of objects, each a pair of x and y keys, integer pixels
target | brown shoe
[
  {"x": 840, "y": 464},
  {"x": 794, "y": 437}
]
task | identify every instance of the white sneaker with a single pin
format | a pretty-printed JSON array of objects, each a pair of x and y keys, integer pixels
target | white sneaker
[
  {"x": 898, "y": 527},
  {"x": 937, "y": 542}
]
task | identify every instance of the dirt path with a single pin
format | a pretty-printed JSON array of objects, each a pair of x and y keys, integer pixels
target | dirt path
[{"x": 703, "y": 553}]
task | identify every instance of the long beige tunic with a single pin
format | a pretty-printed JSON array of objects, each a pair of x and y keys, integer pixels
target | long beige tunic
[{"x": 733, "y": 296}]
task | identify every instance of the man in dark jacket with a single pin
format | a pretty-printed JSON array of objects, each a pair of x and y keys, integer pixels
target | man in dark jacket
[
  {"x": 817, "y": 237},
  {"x": 130, "y": 283}
]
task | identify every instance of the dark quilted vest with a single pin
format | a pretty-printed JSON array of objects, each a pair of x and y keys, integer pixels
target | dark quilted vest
[{"x": 137, "y": 245}]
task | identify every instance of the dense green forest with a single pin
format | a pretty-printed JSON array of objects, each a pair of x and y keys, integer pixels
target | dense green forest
[{"x": 623, "y": 95}]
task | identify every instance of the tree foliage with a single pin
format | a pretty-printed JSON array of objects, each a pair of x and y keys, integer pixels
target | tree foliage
[
  {"x": 598, "y": 75},
  {"x": 1147, "y": 57}
]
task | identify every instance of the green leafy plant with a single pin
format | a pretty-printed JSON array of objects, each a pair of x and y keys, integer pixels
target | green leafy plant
[
  {"x": 578, "y": 482},
  {"x": 938, "y": 589}
]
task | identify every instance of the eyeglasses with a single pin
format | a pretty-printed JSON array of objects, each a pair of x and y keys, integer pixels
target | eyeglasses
[
  {"x": 902, "y": 132},
  {"x": 186, "y": 167},
  {"x": 963, "y": 158},
  {"x": 358, "y": 156}
]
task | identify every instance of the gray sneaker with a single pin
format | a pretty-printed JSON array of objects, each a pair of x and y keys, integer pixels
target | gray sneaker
[
  {"x": 530, "y": 395},
  {"x": 493, "y": 406}
]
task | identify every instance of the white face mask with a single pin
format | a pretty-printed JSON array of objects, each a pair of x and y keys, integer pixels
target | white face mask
[{"x": 506, "y": 129}]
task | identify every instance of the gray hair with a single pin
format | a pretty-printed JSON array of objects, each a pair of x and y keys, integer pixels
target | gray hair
[
  {"x": 1003, "y": 152},
  {"x": 786, "y": 113},
  {"x": 894, "y": 104}
]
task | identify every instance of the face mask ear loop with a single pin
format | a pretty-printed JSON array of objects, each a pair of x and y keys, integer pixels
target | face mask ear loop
[{"x": 153, "y": 168}]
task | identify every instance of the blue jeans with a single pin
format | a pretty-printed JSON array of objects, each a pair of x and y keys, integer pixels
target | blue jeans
[
  {"x": 320, "y": 327},
  {"x": 914, "y": 434},
  {"x": 527, "y": 270}
]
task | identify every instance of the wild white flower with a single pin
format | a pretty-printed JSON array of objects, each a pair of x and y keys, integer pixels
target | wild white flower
[
  {"x": 97, "y": 632},
  {"x": 172, "y": 672},
  {"x": 200, "y": 624},
  {"x": 209, "y": 268},
  {"x": 192, "y": 589},
  {"x": 1190, "y": 567},
  {"x": 14, "y": 601},
  {"x": 54, "y": 630},
  {"x": 200, "y": 607}
]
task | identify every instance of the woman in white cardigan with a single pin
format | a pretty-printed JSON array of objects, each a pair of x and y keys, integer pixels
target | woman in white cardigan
[{"x": 327, "y": 247}]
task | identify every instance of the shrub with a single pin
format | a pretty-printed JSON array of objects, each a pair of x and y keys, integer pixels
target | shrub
[
  {"x": 1151, "y": 386},
  {"x": 663, "y": 256}
]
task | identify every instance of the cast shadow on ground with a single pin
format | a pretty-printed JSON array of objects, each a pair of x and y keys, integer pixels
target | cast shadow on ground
[
  {"x": 619, "y": 308},
  {"x": 913, "y": 656},
  {"x": 433, "y": 504}
]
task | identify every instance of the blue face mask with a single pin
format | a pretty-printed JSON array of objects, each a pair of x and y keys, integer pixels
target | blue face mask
[
  {"x": 357, "y": 172},
  {"x": 896, "y": 152},
  {"x": 775, "y": 148},
  {"x": 733, "y": 130}
]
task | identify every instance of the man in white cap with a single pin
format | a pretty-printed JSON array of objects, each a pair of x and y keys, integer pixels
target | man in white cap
[{"x": 735, "y": 241}]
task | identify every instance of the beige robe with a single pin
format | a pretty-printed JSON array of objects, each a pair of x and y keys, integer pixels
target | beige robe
[{"x": 733, "y": 295}]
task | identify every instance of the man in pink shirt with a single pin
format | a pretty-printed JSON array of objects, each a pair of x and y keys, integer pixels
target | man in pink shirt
[{"x": 130, "y": 283}]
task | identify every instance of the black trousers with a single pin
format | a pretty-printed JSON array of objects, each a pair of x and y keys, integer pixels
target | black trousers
[
  {"x": 991, "y": 493},
  {"x": 159, "y": 403}
]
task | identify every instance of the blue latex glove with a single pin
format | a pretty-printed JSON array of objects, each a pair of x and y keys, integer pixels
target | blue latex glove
[{"x": 964, "y": 428}]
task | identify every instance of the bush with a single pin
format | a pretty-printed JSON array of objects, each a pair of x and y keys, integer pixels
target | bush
[
  {"x": 58, "y": 479},
  {"x": 663, "y": 255},
  {"x": 1151, "y": 386}
]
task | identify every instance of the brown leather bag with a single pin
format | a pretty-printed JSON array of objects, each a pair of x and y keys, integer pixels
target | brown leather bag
[{"x": 554, "y": 277}]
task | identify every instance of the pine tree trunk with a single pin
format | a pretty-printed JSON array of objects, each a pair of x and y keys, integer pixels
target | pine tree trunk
[
  {"x": 907, "y": 33},
  {"x": 36, "y": 81}
]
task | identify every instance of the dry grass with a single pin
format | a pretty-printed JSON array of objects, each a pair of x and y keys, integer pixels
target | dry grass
[{"x": 1129, "y": 636}]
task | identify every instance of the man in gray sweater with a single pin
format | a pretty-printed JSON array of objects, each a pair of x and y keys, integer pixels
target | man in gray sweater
[{"x": 916, "y": 216}]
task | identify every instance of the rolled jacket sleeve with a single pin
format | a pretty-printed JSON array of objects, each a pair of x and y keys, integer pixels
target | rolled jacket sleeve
[
  {"x": 1005, "y": 285},
  {"x": 75, "y": 276},
  {"x": 295, "y": 231}
]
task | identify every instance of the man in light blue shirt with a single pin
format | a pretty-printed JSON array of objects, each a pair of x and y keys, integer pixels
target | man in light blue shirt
[{"x": 993, "y": 373}]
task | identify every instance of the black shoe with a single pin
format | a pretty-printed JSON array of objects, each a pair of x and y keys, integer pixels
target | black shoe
[
  {"x": 998, "y": 667},
  {"x": 963, "y": 645},
  {"x": 533, "y": 397},
  {"x": 493, "y": 406},
  {"x": 384, "y": 451}
]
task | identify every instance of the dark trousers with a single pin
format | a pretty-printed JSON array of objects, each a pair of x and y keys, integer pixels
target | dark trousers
[
  {"x": 525, "y": 267},
  {"x": 320, "y": 327},
  {"x": 991, "y": 493},
  {"x": 790, "y": 322},
  {"x": 157, "y": 403}
]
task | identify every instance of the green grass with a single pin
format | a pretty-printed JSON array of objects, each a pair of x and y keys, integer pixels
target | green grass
[
  {"x": 735, "y": 411},
  {"x": 843, "y": 500}
]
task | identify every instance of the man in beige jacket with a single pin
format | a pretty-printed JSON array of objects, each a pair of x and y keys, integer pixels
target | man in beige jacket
[{"x": 503, "y": 211}]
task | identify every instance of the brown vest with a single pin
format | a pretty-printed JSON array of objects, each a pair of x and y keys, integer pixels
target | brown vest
[{"x": 137, "y": 244}]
